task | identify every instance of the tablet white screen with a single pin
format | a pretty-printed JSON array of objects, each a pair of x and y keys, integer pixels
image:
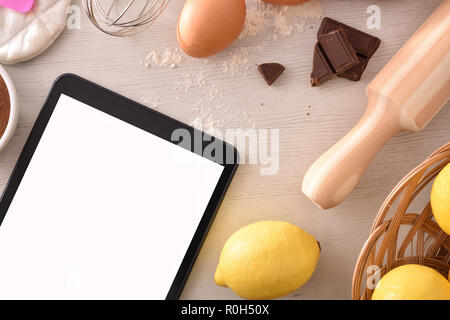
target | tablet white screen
[{"x": 105, "y": 210}]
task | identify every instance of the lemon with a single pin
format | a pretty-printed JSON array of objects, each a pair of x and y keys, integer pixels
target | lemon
[
  {"x": 440, "y": 199},
  {"x": 267, "y": 260},
  {"x": 412, "y": 282}
]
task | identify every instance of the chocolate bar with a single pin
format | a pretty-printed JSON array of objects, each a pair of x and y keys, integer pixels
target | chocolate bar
[
  {"x": 355, "y": 73},
  {"x": 364, "y": 44},
  {"x": 321, "y": 69},
  {"x": 338, "y": 50}
]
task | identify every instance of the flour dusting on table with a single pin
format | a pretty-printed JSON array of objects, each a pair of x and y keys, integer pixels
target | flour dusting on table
[
  {"x": 284, "y": 20},
  {"x": 264, "y": 23}
]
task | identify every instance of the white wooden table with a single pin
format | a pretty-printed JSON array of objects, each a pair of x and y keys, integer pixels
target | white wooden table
[{"x": 335, "y": 107}]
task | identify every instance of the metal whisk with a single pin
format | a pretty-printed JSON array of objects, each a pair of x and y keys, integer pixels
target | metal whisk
[{"x": 122, "y": 18}]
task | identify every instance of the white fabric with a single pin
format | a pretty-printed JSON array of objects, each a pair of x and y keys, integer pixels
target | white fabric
[{"x": 24, "y": 36}]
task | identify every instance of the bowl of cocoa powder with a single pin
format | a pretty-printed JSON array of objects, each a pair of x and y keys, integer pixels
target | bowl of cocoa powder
[{"x": 8, "y": 108}]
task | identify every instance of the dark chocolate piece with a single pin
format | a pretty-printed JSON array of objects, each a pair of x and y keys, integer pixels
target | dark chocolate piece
[
  {"x": 355, "y": 73},
  {"x": 270, "y": 71},
  {"x": 321, "y": 71},
  {"x": 364, "y": 43},
  {"x": 338, "y": 50}
]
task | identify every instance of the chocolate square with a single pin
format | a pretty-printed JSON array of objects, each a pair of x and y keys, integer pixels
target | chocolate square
[
  {"x": 338, "y": 50},
  {"x": 364, "y": 43},
  {"x": 321, "y": 69}
]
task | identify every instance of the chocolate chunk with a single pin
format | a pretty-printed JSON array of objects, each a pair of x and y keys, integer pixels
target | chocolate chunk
[
  {"x": 321, "y": 71},
  {"x": 355, "y": 73},
  {"x": 4, "y": 106},
  {"x": 364, "y": 43},
  {"x": 338, "y": 50},
  {"x": 270, "y": 71}
]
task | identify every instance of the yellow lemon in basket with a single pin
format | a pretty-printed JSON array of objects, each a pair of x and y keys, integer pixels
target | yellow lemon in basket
[
  {"x": 267, "y": 260},
  {"x": 440, "y": 199},
  {"x": 412, "y": 282}
]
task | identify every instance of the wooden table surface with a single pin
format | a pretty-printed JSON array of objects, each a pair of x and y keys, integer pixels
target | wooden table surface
[{"x": 234, "y": 101}]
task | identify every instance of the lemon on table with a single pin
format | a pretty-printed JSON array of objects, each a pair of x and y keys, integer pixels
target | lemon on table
[
  {"x": 440, "y": 199},
  {"x": 412, "y": 282},
  {"x": 267, "y": 260}
]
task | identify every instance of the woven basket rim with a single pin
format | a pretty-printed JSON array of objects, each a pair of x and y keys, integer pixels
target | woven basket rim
[{"x": 381, "y": 247}]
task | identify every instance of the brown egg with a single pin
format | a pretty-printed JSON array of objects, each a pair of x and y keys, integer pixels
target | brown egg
[
  {"x": 286, "y": 2},
  {"x": 205, "y": 27}
]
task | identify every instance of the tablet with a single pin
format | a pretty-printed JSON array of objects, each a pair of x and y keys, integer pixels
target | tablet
[{"x": 108, "y": 200}]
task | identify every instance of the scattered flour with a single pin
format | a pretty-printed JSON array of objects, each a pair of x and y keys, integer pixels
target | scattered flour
[
  {"x": 208, "y": 125},
  {"x": 264, "y": 20},
  {"x": 150, "y": 100},
  {"x": 282, "y": 19},
  {"x": 238, "y": 61},
  {"x": 169, "y": 58},
  {"x": 255, "y": 21}
]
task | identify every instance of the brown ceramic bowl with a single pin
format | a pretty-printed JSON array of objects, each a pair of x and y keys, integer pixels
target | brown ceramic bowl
[{"x": 13, "y": 112}]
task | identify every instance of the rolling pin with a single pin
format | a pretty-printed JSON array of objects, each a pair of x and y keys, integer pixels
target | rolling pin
[{"x": 404, "y": 96}]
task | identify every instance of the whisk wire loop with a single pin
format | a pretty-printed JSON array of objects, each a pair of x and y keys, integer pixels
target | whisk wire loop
[{"x": 116, "y": 18}]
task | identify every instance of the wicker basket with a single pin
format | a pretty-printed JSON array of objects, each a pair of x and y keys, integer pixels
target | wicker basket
[{"x": 421, "y": 241}]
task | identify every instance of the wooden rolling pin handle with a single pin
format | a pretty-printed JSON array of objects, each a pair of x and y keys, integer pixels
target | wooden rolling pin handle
[{"x": 336, "y": 173}]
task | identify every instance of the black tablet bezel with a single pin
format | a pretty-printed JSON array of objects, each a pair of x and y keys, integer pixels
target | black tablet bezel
[{"x": 137, "y": 115}]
